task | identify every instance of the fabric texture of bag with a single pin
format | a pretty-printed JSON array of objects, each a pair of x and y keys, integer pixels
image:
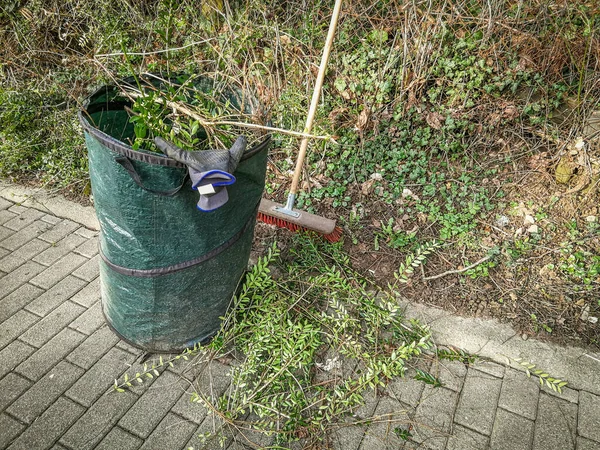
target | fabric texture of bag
[{"x": 168, "y": 270}]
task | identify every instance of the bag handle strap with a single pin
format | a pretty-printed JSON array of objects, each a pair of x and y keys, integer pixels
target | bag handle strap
[{"x": 128, "y": 166}]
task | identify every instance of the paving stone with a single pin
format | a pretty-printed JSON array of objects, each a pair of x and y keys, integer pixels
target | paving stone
[
  {"x": 478, "y": 401},
  {"x": 5, "y": 233},
  {"x": 100, "y": 377},
  {"x": 511, "y": 432},
  {"x": 189, "y": 410},
  {"x": 50, "y": 354},
  {"x": 556, "y": 424},
  {"x": 586, "y": 444},
  {"x": 90, "y": 320},
  {"x": 3, "y": 253},
  {"x": 17, "y": 208},
  {"x": 10, "y": 430},
  {"x": 214, "y": 426},
  {"x": 18, "y": 299},
  {"x": 5, "y": 216},
  {"x": 95, "y": 424},
  {"x": 22, "y": 237},
  {"x": 235, "y": 445},
  {"x": 58, "y": 270},
  {"x": 88, "y": 234},
  {"x": 589, "y": 416},
  {"x": 370, "y": 399},
  {"x": 212, "y": 382},
  {"x": 25, "y": 217},
  {"x": 44, "y": 330},
  {"x": 11, "y": 386},
  {"x": 17, "y": 258},
  {"x": 89, "y": 295},
  {"x": 465, "y": 439},
  {"x": 89, "y": 270},
  {"x": 252, "y": 437},
  {"x": 389, "y": 414},
  {"x": 490, "y": 368},
  {"x": 51, "y": 219},
  {"x": 120, "y": 439},
  {"x": 19, "y": 277},
  {"x": 59, "y": 249},
  {"x": 434, "y": 417},
  {"x": 519, "y": 394},
  {"x": 153, "y": 405},
  {"x": 568, "y": 394},
  {"x": 59, "y": 231},
  {"x": 129, "y": 348},
  {"x": 406, "y": 389},
  {"x": 14, "y": 354},
  {"x": 43, "y": 393},
  {"x": 348, "y": 438},
  {"x": 92, "y": 349},
  {"x": 46, "y": 430},
  {"x": 15, "y": 325},
  {"x": 5, "y": 204},
  {"x": 172, "y": 432},
  {"x": 140, "y": 367},
  {"x": 55, "y": 296},
  {"x": 88, "y": 249},
  {"x": 450, "y": 373}
]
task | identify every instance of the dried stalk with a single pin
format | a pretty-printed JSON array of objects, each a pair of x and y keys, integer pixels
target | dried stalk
[{"x": 464, "y": 269}]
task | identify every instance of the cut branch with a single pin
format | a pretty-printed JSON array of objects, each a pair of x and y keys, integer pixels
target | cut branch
[
  {"x": 464, "y": 269},
  {"x": 212, "y": 123}
]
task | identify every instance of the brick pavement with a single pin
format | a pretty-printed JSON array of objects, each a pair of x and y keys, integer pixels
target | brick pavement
[{"x": 58, "y": 361}]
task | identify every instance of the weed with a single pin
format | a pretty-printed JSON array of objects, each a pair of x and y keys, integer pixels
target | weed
[
  {"x": 281, "y": 327},
  {"x": 544, "y": 377},
  {"x": 455, "y": 354},
  {"x": 394, "y": 238},
  {"x": 537, "y": 325},
  {"x": 481, "y": 270}
]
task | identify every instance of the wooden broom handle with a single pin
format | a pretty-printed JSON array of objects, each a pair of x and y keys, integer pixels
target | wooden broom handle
[{"x": 315, "y": 97}]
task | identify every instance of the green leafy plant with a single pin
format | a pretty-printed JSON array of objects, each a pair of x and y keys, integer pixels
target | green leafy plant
[
  {"x": 284, "y": 327},
  {"x": 427, "y": 378},
  {"x": 455, "y": 354},
  {"x": 414, "y": 260},
  {"x": 544, "y": 377},
  {"x": 403, "y": 433}
]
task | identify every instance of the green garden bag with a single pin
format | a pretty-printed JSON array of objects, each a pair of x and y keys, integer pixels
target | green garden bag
[{"x": 168, "y": 270}]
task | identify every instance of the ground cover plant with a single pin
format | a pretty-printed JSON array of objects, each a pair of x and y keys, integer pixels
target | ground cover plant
[
  {"x": 307, "y": 340},
  {"x": 471, "y": 125}
]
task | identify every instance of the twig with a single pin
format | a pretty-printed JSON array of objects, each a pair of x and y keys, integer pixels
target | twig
[
  {"x": 464, "y": 269},
  {"x": 207, "y": 123},
  {"x": 156, "y": 52}
]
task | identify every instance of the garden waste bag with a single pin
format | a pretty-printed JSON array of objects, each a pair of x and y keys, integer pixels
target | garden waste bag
[{"x": 170, "y": 261}]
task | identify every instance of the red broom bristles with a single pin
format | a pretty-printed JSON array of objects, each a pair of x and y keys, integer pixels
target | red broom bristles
[{"x": 334, "y": 236}]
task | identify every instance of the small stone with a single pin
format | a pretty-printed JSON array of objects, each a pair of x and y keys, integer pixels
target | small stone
[
  {"x": 524, "y": 336},
  {"x": 592, "y": 319},
  {"x": 502, "y": 221},
  {"x": 529, "y": 220},
  {"x": 519, "y": 232},
  {"x": 590, "y": 219},
  {"x": 376, "y": 176},
  {"x": 585, "y": 314},
  {"x": 533, "y": 229}
]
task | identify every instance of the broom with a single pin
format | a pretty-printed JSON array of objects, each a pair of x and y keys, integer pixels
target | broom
[{"x": 287, "y": 216}]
